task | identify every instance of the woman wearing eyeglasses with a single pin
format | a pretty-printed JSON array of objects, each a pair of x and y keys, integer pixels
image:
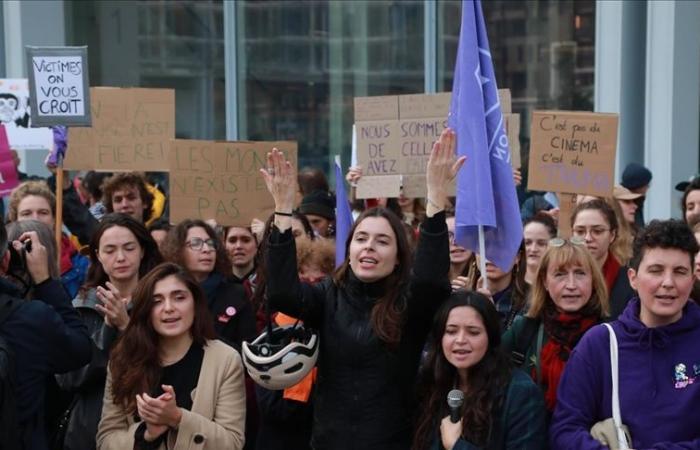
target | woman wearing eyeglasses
[
  {"x": 195, "y": 246},
  {"x": 568, "y": 298},
  {"x": 596, "y": 224}
]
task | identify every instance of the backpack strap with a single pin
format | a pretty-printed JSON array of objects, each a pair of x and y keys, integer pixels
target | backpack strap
[{"x": 523, "y": 340}]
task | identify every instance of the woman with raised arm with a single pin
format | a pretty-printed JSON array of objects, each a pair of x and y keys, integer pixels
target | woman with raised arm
[{"x": 373, "y": 315}]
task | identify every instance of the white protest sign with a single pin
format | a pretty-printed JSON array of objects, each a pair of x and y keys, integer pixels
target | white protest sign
[{"x": 59, "y": 85}]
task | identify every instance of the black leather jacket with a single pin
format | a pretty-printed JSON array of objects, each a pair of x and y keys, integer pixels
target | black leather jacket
[{"x": 364, "y": 392}]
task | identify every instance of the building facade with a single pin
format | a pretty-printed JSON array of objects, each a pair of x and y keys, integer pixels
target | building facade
[{"x": 283, "y": 69}]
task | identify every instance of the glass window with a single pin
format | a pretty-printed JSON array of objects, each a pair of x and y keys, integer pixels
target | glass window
[
  {"x": 300, "y": 63},
  {"x": 542, "y": 51},
  {"x": 161, "y": 44}
]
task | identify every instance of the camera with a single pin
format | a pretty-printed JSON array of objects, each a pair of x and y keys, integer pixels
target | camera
[{"x": 18, "y": 264}]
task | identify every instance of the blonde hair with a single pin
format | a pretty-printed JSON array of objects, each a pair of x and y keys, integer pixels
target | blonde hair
[
  {"x": 37, "y": 188},
  {"x": 565, "y": 256}
]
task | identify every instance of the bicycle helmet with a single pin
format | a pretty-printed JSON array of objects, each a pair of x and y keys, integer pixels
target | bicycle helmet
[{"x": 282, "y": 358}]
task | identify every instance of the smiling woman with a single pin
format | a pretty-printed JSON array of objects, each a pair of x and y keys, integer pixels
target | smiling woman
[
  {"x": 658, "y": 354},
  {"x": 195, "y": 245},
  {"x": 169, "y": 372}
]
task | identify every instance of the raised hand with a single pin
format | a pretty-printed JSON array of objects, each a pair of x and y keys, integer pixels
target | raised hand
[
  {"x": 442, "y": 168},
  {"x": 280, "y": 179},
  {"x": 354, "y": 174}
]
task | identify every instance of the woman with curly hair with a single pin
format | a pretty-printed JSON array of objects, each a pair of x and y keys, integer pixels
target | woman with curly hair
[
  {"x": 170, "y": 383},
  {"x": 502, "y": 407}
]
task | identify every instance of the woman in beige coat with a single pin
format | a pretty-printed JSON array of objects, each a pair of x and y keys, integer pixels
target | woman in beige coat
[{"x": 170, "y": 385}]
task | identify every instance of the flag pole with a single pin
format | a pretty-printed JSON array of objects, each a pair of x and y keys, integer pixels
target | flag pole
[{"x": 482, "y": 260}]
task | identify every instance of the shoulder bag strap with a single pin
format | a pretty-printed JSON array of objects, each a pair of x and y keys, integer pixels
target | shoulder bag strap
[{"x": 621, "y": 438}]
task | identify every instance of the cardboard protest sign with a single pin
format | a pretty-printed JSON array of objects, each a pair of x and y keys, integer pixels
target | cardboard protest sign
[
  {"x": 8, "y": 170},
  {"x": 15, "y": 117},
  {"x": 504, "y": 99},
  {"x": 512, "y": 124},
  {"x": 573, "y": 152},
  {"x": 222, "y": 180},
  {"x": 59, "y": 86},
  {"x": 132, "y": 129},
  {"x": 567, "y": 203},
  {"x": 387, "y": 186},
  {"x": 395, "y": 135}
]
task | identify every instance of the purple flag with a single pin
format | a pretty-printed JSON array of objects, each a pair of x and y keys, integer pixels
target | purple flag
[
  {"x": 485, "y": 188},
  {"x": 343, "y": 215}
]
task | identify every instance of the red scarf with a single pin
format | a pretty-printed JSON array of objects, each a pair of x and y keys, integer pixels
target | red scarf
[
  {"x": 67, "y": 251},
  {"x": 563, "y": 331},
  {"x": 610, "y": 270}
]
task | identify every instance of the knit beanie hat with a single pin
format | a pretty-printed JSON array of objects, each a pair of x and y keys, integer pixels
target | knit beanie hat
[{"x": 319, "y": 203}]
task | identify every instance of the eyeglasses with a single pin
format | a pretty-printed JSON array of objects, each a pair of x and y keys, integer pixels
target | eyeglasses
[
  {"x": 595, "y": 232},
  {"x": 573, "y": 240},
  {"x": 198, "y": 243}
]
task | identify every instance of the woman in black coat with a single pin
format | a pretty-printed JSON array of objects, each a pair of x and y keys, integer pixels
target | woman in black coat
[
  {"x": 373, "y": 315},
  {"x": 194, "y": 245}
]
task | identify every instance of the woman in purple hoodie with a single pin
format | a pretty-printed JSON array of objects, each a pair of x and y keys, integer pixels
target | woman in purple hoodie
[{"x": 659, "y": 355}]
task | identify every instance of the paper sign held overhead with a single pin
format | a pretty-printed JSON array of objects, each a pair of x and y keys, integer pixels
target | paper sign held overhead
[
  {"x": 573, "y": 152},
  {"x": 59, "y": 86},
  {"x": 221, "y": 180},
  {"x": 132, "y": 129},
  {"x": 397, "y": 136}
]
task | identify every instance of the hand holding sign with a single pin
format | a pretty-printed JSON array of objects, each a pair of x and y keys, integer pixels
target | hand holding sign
[{"x": 442, "y": 168}]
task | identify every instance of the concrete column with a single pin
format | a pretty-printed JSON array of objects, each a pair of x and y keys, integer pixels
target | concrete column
[
  {"x": 620, "y": 47},
  {"x": 672, "y": 102}
]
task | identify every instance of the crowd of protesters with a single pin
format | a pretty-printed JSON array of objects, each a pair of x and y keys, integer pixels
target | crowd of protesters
[{"x": 129, "y": 332}]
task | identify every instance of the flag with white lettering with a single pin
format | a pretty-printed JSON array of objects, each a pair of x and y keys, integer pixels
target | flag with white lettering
[{"x": 485, "y": 188}]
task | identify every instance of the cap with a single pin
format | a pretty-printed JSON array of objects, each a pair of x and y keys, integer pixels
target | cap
[
  {"x": 635, "y": 176},
  {"x": 622, "y": 193},
  {"x": 319, "y": 203},
  {"x": 684, "y": 184}
]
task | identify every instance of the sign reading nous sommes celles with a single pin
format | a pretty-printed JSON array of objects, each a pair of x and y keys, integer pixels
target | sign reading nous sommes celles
[{"x": 58, "y": 86}]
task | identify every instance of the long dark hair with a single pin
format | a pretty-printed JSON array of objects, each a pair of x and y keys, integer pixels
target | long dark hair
[
  {"x": 134, "y": 360},
  {"x": 519, "y": 294},
  {"x": 386, "y": 316},
  {"x": 96, "y": 276},
  {"x": 488, "y": 379},
  {"x": 174, "y": 245}
]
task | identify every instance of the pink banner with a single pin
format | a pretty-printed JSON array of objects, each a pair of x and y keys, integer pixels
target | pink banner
[{"x": 8, "y": 170}]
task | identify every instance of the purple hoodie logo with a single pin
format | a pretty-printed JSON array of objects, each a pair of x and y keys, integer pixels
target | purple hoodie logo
[{"x": 682, "y": 380}]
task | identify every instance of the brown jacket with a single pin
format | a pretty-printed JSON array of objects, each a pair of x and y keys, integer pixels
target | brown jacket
[{"x": 217, "y": 418}]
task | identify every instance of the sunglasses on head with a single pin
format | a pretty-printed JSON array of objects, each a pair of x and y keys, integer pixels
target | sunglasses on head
[{"x": 559, "y": 242}]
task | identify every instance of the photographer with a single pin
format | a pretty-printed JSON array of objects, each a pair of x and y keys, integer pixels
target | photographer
[{"x": 45, "y": 336}]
